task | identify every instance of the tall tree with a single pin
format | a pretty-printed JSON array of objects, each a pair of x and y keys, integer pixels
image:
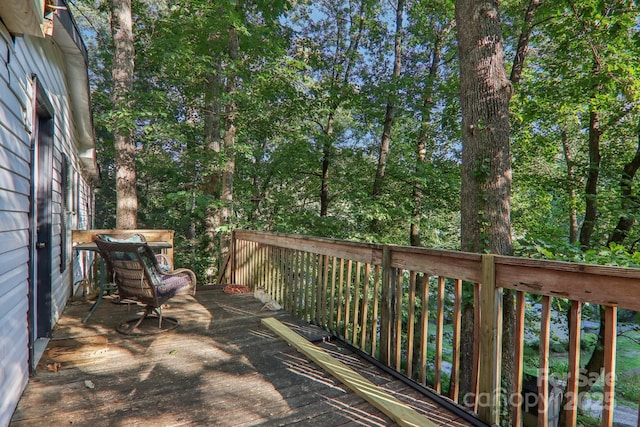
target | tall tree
[
  {"x": 509, "y": 311},
  {"x": 629, "y": 203},
  {"x": 122, "y": 73},
  {"x": 331, "y": 34},
  {"x": 433, "y": 27},
  {"x": 390, "y": 111},
  {"x": 225, "y": 211},
  {"x": 485, "y": 93}
]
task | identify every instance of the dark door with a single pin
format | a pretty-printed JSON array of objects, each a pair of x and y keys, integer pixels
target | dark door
[
  {"x": 43, "y": 229},
  {"x": 41, "y": 217}
]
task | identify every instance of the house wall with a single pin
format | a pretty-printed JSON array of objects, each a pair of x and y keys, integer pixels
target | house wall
[{"x": 20, "y": 58}]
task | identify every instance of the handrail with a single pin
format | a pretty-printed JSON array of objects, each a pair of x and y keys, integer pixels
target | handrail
[{"x": 376, "y": 297}]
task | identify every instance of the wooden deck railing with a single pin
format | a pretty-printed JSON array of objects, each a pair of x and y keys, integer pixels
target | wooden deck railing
[{"x": 378, "y": 298}]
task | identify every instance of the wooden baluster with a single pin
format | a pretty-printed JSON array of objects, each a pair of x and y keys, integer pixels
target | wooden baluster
[
  {"x": 608, "y": 384},
  {"x": 325, "y": 290},
  {"x": 241, "y": 263},
  {"x": 356, "y": 304},
  {"x": 307, "y": 277},
  {"x": 374, "y": 311},
  {"x": 543, "y": 363},
  {"x": 411, "y": 322},
  {"x": 573, "y": 376},
  {"x": 365, "y": 307},
  {"x": 455, "y": 345},
  {"x": 385, "y": 308},
  {"x": 516, "y": 387},
  {"x": 286, "y": 277},
  {"x": 279, "y": 273},
  {"x": 340, "y": 296},
  {"x": 283, "y": 276},
  {"x": 254, "y": 277},
  {"x": 315, "y": 288},
  {"x": 295, "y": 291},
  {"x": 245, "y": 264},
  {"x": 332, "y": 301},
  {"x": 266, "y": 277},
  {"x": 301, "y": 285},
  {"x": 439, "y": 332},
  {"x": 424, "y": 327},
  {"x": 475, "y": 369},
  {"x": 347, "y": 299},
  {"x": 397, "y": 347},
  {"x": 233, "y": 257}
]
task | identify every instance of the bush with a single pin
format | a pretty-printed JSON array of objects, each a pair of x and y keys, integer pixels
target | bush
[
  {"x": 588, "y": 341},
  {"x": 628, "y": 387},
  {"x": 587, "y": 421},
  {"x": 559, "y": 346},
  {"x": 627, "y": 316}
]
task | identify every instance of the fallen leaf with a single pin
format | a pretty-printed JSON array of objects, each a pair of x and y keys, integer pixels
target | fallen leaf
[{"x": 54, "y": 367}]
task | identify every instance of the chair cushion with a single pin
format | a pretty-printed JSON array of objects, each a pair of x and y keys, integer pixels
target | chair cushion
[
  {"x": 172, "y": 284},
  {"x": 134, "y": 238}
]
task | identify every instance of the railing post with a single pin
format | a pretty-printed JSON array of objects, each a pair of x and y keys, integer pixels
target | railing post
[
  {"x": 385, "y": 307},
  {"x": 490, "y": 343}
]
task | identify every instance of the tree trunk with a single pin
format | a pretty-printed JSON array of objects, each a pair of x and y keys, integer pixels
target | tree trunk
[
  {"x": 122, "y": 73},
  {"x": 523, "y": 42},
  {"x": 342, "y": 68},
  {"x": 226, "y": 197},
  {"x": 390, "y": 110},
  {"x": 591, "y": 188},
  {"x": 485, "y": 93},
  {"x": 414, "y": 232},
  {"x": 571, "y": 173},
  {"x": 423, "y": 137},
  {"x": 628, "y": 202},
  {"x": 212, "y": 172},
  {"x": 327, "y": 153}
]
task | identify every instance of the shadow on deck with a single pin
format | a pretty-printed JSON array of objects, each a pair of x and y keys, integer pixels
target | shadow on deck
[{"x": 220, "y": 367}]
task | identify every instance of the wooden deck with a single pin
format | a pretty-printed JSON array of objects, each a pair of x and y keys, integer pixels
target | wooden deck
[{"x": 220, "y": 367}]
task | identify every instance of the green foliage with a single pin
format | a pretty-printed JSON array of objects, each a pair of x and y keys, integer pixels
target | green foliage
[
  {"x": 297, "y": 73},
  {"x": 588, "y": 341},
  {"x": 628, "y": 387},
  {"x": 614, "y": 255}
]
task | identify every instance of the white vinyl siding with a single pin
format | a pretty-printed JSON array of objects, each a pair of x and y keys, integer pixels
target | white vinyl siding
[{"x": 19, "y": 60}]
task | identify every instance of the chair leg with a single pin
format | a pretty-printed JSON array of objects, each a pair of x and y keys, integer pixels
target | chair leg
[
  {"x": 129, "y": 327},
  {"x": 147, "y": 311},
  {"x": 158, "y": 311}
]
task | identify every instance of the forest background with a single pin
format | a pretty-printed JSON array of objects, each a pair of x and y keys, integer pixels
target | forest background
[
  {"x": 314, "y": 88},
  {"x": 345, "y": 119}
]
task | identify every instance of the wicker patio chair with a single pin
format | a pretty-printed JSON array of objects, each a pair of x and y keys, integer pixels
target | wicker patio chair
[{"x": 139, "y": 277}]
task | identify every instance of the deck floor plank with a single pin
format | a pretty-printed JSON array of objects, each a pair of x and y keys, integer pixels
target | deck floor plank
[{"x": 220, "y": 367}]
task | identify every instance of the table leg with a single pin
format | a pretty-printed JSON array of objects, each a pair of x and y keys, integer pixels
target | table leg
[{"x": 102, "y": 280}]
